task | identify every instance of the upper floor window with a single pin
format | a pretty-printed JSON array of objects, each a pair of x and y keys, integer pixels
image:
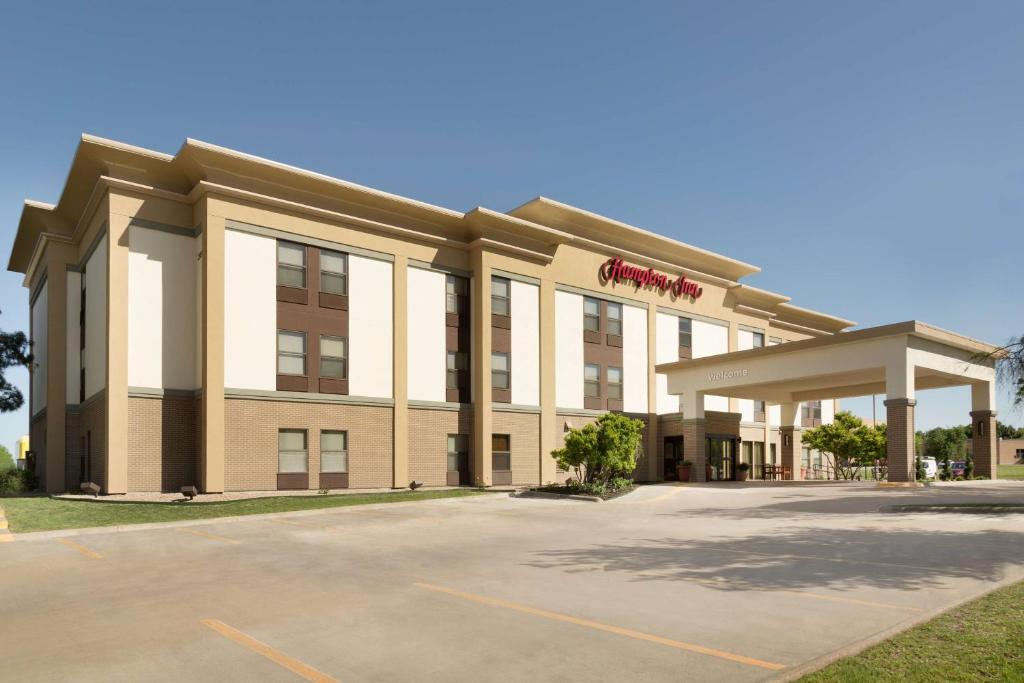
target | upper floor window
[
  {"x": 291, "y": 264},
  {"x": 455, "y": 289},
  {"x": 499, "y": 370},
  {"x": 615, "y": 383},
  {"x": 591, "y": 381},
  {"x": 292, "y": 454},
  {"x": 333, "y": 357},
  {"x": 614, "y": 318},
  {"x": 458, "y": 452},
  {"x": 500, "y": 296},
  {"x": 758, "y": 340},
  {"x": 458, "y": 365},
  {"x": 591, "y": 315},
  {"x": 333, "y": 451},
  {"x": 333, "y": 272},
  {"x": 685, "y": 332},
  {"x": 291, "y": 353},
  {"x": 811, "y": 410}
]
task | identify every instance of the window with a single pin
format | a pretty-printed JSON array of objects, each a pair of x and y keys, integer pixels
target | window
[
  {"x": 501, "y": 453},
  {"x": 615, "y": 383},
  {"x": 591, "y": 381},
  {"x": 811, "y": 410},
  {"x": 291, "y": 353},
  {"x": 292, "y": 456},
  {"x": 454, "y": 288},
  {"x": 458, "y": 364},
  {"x": 333, "y": 357},
  {"x": 458, "y": 452},
  {"x": 291, "y": 264},
  {"x": 499, "y": 370},
  {"x": 1020, "y": 455},
  {"x": 615, "y": 319},
  {"x": 500, "y": 296},
  {"x": 334, "y": 451},
  {"x": 774, "y": 341},
  {"x": 759, "y": 411},
  {"x": 591, "y": 315},
  {"x": 685, "y": 332},
  {"x": 758, "y": 340},
  {"x": 333, "y": 272}
]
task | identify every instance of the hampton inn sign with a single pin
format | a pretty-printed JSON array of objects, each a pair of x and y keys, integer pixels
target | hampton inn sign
[{"x": 615, "y": 270}]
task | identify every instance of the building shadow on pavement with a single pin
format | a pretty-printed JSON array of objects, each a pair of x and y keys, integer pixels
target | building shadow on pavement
[{"x": 793, "y": 559}]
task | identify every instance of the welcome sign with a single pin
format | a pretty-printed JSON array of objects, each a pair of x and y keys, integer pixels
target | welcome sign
[{"x": 616, "y": 270}]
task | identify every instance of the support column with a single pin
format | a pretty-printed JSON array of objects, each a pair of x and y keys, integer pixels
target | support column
[
  {"x": 691, "y": 404},
  {"x": 899, "y": 418},
  {"x": 548, "y": 409},
  {"x": 481, "y": 363},
  {"x": 983, "y": 430},
  {"x": 211, "y": 461},
  {"x": 789, "y": 435},
  {"x": 55, "y": 458},
  {"x": 117, "y": 356},
  {"x": 654, "y": 468},
  {"x": 899, "y": 432},
  {"x": 400, "y": 372}
]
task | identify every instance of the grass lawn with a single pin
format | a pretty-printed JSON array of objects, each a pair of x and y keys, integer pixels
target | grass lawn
[
  {"x": 980, "y": 641},
  {"x": 39, "y": 513},
  {"x": 1010, "y": 472}
]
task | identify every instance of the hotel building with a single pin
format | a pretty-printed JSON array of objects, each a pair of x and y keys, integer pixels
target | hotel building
[{"x": 218, "y": 319}]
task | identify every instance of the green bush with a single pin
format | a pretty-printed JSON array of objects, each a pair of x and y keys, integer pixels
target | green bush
[
  {"x": 14, "y": 482},
  {"x": 603, "y": 451}
]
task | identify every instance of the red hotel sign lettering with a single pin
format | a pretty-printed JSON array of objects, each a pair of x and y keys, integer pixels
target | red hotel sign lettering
[{"x": 614, "y": 270}]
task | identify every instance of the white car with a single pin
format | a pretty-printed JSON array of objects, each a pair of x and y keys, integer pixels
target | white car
[{"x": 931, "y": 468}]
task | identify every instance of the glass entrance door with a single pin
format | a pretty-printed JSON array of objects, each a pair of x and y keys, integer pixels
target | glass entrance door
[
  {"x": 721, "y": 456},
  {"x": 673, "y": 456}
]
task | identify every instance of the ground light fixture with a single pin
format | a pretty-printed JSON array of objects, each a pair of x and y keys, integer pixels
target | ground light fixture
[
  {"x": 90, "y": 488},
  {"x": 189, "y": 492}
]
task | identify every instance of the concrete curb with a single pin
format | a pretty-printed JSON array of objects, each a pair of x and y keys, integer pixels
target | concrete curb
[
  {"x": 122, "y": 528},
  {"x": 557, "y": 496},
  {"x": 861, "y": 645}
]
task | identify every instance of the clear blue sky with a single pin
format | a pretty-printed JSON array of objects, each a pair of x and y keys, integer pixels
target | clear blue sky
[{"x": 869, "y": 156}]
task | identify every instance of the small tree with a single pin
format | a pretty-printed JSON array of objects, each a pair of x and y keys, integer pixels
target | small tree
[
  {"x": 847, "y": 442},
  {"x": 968, "y": 466},
  {"x": 14, "y": 351},
  {"x": 920, "y": 474},
  {"x": 599, "y": 452}
]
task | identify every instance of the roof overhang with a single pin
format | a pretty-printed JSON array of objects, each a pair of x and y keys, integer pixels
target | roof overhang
[{"x": 856, "y": 363}]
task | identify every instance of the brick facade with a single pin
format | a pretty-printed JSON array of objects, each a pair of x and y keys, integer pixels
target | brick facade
[
  {"x": 899, "y": 427},
  {"x": 524, "y": 431},
  {"x": 791, "y": 449},
  {"x": 428, "y": 441},
  {"x": 162, "y": 448},
  {"x": 983, "y": 443},
  {"x": 250, "y": 441}
]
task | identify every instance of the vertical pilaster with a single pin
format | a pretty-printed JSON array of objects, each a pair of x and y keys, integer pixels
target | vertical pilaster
[
  {"x": 653, "y": 436},
  {"x": 984, "y": 443},
  {"x": 481, "y": 362},
  {"x": 57, "y": 258},
  {"x": 694, "y": 450},
  {"x": 117, "y": 355},
  {"x": 211, "y": 464},
  {"x": 548, "y": 409},
  {"x": 899, "y": 432},
  {"x": 400, "y": 329},
  {"x": 789, "y": 436}
]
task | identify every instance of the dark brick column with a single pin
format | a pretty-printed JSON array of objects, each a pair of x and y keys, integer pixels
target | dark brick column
[
  {"x": 791, "y": 449},
  {"x": 899, "y": 431},
  {"x": 693, "y": 448},
  {"x": 983, "y": 438}
]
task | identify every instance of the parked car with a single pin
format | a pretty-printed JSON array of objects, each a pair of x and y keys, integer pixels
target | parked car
[
  {"x": 958, "y": 467},
  {"x": 931, "y": 468}
]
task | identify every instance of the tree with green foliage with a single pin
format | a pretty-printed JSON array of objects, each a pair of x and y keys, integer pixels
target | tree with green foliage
[
  {"x": 847, "y": 442},
  {"x": 602, "y": 451},
  {"x": 6, "y": 459},
  {"x": 14, "y": 351},
  {"x": 920, "y": 473},
  {"x": 945, "y": 444}
]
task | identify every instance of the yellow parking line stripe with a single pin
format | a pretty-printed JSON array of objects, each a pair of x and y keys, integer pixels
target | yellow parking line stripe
[
  {"x": 851, "y": 601},
  {"x": 276, "y": 656},
  {"x": 291, "y": 522},
  {"x": 212, "y": 537},
  {"x": 80, "y": 548},
  {"x": 598, "y": 626}
]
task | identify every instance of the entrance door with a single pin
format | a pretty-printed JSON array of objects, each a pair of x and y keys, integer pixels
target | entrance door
[
  {"x": 721, "y": 456},
  {"x": 673, "y": 456}
]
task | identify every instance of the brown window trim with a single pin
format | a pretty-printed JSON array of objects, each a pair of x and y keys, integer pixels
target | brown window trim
[
  {"x": 685, "y": 353},
  {"x": 458, "y": 340},
  {"x": 292, "y": 481},
  {"x": 335, "y": 301},
  {"x": 333, "y": 480}
]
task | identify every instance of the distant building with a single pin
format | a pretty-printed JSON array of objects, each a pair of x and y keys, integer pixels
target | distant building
[
  {"x": 1011, "y": 451},
  {"x": 22, "y": 450}
]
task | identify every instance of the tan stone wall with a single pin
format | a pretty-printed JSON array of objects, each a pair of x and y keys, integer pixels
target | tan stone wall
[
  {"x": 716, "y": 422},
  {"x": 524, "y": 430},
  {"x": 1008, "y": 451},
  {"x": 428, "y": 442},
  {"x": 162, "y": 450},
  {"x": 250, "y": 441}
]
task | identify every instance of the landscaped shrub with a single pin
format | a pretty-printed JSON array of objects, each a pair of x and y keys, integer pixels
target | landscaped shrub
[
  {"x": 14, "y": 482},
  {"x": 603, "y": 451}
]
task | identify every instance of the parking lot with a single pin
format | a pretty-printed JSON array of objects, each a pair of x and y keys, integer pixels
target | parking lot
[{"x": 667, "y": 583}]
